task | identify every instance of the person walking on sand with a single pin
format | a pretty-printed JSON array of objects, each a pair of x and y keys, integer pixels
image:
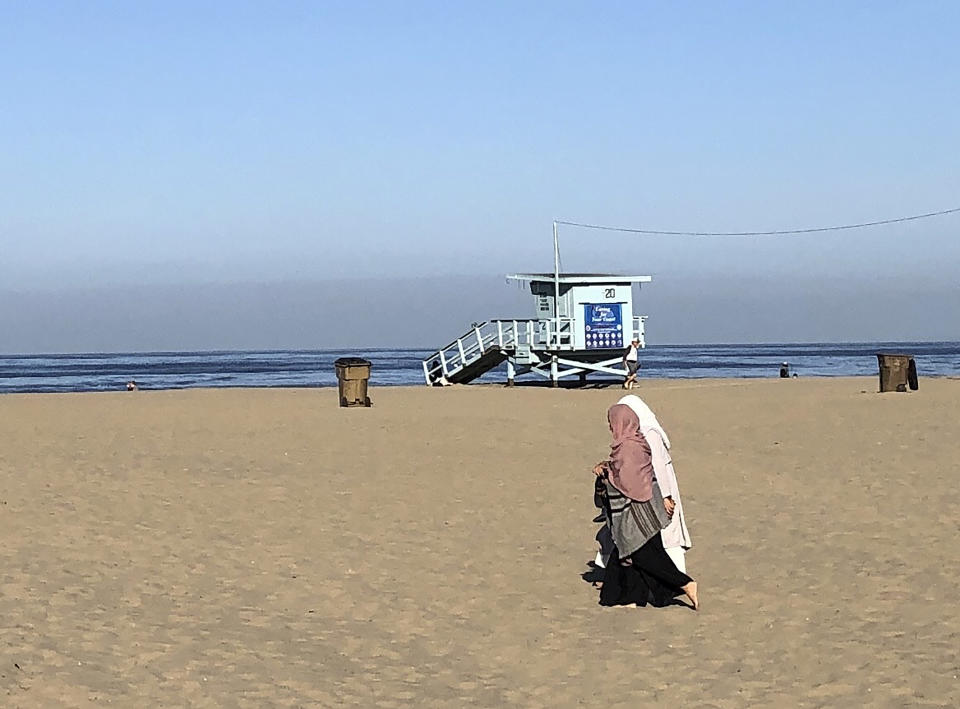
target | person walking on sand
[
  {"x": 639, "y": 569},
  {"x": 631, "y": 362},
  {"x": 676, "y": 536}
]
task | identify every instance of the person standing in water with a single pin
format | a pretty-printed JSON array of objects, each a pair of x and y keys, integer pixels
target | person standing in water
[{"x": 639, "y": 569}]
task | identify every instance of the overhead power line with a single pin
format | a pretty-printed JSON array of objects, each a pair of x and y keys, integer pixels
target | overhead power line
[{"x": 775, "y": 232}]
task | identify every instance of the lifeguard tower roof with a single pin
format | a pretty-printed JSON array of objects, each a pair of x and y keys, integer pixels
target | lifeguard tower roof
[{"x": 584, "y": 278}]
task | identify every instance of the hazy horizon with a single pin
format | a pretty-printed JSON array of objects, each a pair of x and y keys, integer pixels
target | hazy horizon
[{"x": 409, "y": 313}]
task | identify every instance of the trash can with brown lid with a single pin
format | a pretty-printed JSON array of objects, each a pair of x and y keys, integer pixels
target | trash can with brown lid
[
  {"x": 897, "y": 372},
  {"x": 352, "y": 376}
]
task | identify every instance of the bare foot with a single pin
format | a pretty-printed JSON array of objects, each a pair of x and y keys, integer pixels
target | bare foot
[{"x": 691, "y": 590}]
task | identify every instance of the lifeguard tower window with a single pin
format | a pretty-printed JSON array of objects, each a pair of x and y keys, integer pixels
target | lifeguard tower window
[{"x": 582, "y": 323}]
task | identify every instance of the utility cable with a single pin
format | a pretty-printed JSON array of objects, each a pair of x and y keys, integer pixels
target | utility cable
[{"x": 774, "y": 232}]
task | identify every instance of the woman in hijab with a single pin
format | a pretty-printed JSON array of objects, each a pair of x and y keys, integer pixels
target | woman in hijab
[
  {"x": 676, "y": 536},
  {"x": 639, "y": 569}
]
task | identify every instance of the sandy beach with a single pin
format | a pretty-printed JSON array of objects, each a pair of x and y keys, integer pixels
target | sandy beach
[{"x": 259, "y": 548}]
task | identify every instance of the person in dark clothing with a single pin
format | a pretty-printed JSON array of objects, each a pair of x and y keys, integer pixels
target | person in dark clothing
[{"x": 639, "y": 570}]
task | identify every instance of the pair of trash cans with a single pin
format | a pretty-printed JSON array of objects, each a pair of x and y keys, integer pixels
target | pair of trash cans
[
  {"x": 897, "y": 372},
  {"x": 353, "y": 373}
]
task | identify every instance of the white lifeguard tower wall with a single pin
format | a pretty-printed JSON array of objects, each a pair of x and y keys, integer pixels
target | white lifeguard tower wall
[{"x": 598, "y": 306}]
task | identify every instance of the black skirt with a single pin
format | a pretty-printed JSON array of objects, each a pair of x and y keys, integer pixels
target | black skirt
[{"x": 651, "y": 577}]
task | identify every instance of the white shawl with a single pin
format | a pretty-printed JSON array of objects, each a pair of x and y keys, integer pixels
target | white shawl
[{"x": 676, "y": 533}]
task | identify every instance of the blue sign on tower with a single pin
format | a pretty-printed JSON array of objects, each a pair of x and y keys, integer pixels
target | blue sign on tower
[{"x": 603, "y": 326}]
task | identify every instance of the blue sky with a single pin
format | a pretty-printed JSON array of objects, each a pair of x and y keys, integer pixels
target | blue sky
[{"x": 300, "y": 141}]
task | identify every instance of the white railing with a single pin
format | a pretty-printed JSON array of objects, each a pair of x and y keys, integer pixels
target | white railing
[
  {"x": 638, "y": 329},
  {"x": 498, "y": 335},
  {"x": 544, "y": 335},
  {"x": 554, "y": 334}
]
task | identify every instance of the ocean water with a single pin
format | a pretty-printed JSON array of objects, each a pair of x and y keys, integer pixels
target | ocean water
[{"x": 289, "y": 368}]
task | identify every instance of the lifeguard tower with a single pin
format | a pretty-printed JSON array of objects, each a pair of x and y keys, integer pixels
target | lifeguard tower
[{"x": 583, "y": 323}]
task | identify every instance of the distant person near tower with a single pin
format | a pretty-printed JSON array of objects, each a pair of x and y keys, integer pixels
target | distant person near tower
[{"x": 631, "y": 363}]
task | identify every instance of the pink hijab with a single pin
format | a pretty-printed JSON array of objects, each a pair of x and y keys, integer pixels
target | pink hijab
[{"x": 631, "y": 469}]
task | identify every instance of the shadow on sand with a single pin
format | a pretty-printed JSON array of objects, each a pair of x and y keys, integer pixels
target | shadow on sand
[
  {"x": 573, "y": 384},
  {"x": 594, "y": 576}
]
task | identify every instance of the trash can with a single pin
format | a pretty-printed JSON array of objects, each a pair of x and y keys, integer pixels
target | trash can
[
  {"x": 897, "y": 371},
  {"x": 352, "y": 376}
]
